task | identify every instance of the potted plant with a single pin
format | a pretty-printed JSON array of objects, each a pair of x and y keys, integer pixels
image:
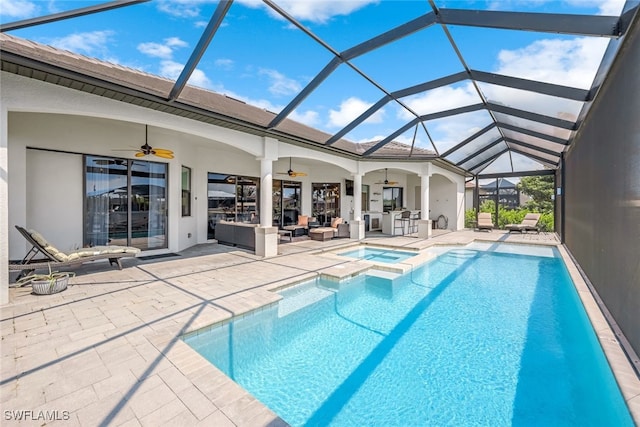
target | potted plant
[{"x": 47, "y": 283}]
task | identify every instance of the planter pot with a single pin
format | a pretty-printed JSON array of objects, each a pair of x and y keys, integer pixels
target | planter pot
[{"x": 44, "y": 287}]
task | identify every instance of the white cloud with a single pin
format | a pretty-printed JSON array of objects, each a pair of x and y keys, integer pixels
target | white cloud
[
  {"x": 310, "y": 118},
  {"x": 605, "y": 7},
  {"x": 19, "y": 9},
  {"x": 164, "y": 51},
  {"x": 449, "y": 131},
  {"x": 92, "y": 43},
  {"x": 279, "y": 83},
  {"x": 611, "y": 7},
  {"x": 171, "y": 70},
  {"x": 571, "y": 62},
  {"x": 156, "y": 50},
  {"x": 439, "y": 99},
  {"x": 182, "y": 8},
  {"x": 349, "y": 110},
  {"x": 224, "y": 63},
  {"x": 318, "y": 11},
  {"x": 531, "y": 101},
  {"x": 175, "y": 42}
]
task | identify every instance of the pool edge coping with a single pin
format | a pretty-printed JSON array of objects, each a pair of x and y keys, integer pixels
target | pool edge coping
[{"x": 617, "y": 358}]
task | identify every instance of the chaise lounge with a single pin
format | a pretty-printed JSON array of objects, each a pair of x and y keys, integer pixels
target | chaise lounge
[
  {"x": 55, "y": 258},
  {"x": 529, "y": 223},
  {"x": 484, "y": 221}
]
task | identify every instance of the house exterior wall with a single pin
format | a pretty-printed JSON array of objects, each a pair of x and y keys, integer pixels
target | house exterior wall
[
  {"x": 47, "y": 128},
  {"x": 442, "y": 197},
  {"x": 602, "y": 191},
  {"x": 54, "y": 187}
]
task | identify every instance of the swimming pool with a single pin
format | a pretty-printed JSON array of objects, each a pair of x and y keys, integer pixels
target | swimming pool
[
  {"x": 389, "y": 256},
  {"x": 481, "y": 337}
]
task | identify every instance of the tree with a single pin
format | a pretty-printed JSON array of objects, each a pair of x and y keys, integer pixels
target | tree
[{"x": 540, "y": 189}]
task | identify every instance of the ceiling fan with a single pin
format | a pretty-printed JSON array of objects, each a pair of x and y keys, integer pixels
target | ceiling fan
[
  {"x": 386, "y": 180},
  {"x": 291, "y": 172},
  {"x": 146, "y": 149}
]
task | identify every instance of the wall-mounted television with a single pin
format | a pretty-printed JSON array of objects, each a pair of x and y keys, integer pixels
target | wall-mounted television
[{"x": 348, "y": 187}]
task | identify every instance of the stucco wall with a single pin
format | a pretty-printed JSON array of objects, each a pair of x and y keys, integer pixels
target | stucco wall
[{"x": 602, "y": 192}]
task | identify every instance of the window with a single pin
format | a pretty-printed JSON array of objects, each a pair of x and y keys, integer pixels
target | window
[
  {"x": 365, "y": 197},
  {"x": 391, "y": 198},
  {"x": 231, "y": 198},
  {"x": 186, "y": 191},
  {"x": 326, "y": 201},
  {"x": 125, "y": 203},
  {"x": 286, "y": 202}
]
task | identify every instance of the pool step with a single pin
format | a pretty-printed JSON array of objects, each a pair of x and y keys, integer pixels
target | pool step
[
  {"x": 295, "y": 302},
  {"x": 382, "y": 283},
  {"x": 389, "y": 275}
]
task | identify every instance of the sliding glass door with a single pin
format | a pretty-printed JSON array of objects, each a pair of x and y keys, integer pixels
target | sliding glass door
[
  {"x": 232, "y": 198},
  {"x": 326, "y": 201},
  {"x": 125, "y": 203},
  {"x": 287, "y": 205}
]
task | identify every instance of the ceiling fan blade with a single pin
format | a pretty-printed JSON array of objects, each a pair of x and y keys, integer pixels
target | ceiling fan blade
[
  {"x": 162, "y": 150},
  {"x": 298, "y": 174},
  {"x": 164, "y": 155},
  {"x": 140, "y": 154}
]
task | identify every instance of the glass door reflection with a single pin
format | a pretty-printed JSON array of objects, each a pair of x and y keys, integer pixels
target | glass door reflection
[
  {"x": 125, "y": 203},
  {"x": 148, "y": 205}
]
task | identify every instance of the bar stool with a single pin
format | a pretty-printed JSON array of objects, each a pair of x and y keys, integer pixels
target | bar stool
[
  {"x": 400, "y": 220},
  {"x": 413, "y": 224}
]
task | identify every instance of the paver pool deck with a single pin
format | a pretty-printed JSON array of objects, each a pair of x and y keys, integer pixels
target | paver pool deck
[{"x": 107, "y": 351}]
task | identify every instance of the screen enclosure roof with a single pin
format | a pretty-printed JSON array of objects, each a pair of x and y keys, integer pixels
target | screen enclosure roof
[{"x": 484, "y": 87}]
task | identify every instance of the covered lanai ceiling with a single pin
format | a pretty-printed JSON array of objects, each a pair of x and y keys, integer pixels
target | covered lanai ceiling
[{"x": 488, "y": 87}]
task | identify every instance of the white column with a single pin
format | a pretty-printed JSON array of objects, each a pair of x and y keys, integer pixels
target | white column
[
  {"x": 267, "y": 234},
  {"x": 4, "y": 206},
  {"x": 424, "y": 202},
  {"x": 424, "y": 225},
  {"x": 356, "y": 229},
  {"x": 357, "y": 197},
  {"x": 266, "y": 193}
]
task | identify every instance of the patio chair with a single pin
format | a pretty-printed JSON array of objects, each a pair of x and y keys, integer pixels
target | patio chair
[
  {"x": 402, "y": 221},
  {"x": 56, "y": 258},
  {"x": 484, "y": 221},
  {"x": 529, "y": 223}
]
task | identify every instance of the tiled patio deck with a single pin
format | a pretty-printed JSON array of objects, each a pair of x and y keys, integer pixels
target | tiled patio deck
[{"x": 107, "y": 352}]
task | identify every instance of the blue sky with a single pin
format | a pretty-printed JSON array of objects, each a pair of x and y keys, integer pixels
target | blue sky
[{"x": 259, "y": 58}]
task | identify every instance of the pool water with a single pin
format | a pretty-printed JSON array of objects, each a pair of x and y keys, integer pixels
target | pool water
[
  {"x": 389, "y": 256},
  {"x": 471, "y": 338}
]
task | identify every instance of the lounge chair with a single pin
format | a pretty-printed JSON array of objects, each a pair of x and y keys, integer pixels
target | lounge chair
[
  {"x": 55, "y": 258},
  {"x": 529, "y": 223},
  {"x": 484, "y": 221}
]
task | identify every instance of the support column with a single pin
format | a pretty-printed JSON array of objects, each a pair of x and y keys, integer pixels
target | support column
[
  {"x": 4, "y": 206},
  {"x": 424, "y": 224},
  {"x": 356, "y": 229},
  {"x": 266, "y": 193},
  {"x": 267, "y": 234}
]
